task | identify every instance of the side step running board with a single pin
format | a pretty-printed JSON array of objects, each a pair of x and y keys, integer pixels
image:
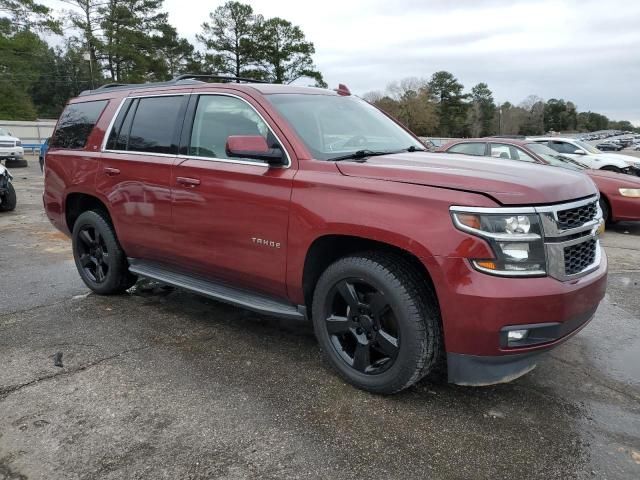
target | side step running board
[{"x": 218, "y": 291}]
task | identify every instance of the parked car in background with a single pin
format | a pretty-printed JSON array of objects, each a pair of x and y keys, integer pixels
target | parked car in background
[
  {"x": 619, "y": 193},
  {"x": 8, "y": 197},
  {"x": 312, "y": 204},
  {"x": 11, "y": 149},
  {"x": 609, "y": 146},
  {"x": 591, "y": 156}
]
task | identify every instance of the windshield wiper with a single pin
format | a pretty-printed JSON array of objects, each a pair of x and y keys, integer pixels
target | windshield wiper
[{"x": 359, "y": 154}]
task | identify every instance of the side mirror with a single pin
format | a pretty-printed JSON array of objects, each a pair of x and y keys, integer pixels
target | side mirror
[
  {"x": 253, "y": 146},
  {"x": 579, "y": 152}
]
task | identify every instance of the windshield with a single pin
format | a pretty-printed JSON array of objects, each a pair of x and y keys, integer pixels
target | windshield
[
  {"x": 4, "y": 133},
  {"x": 586, "y": 146},
  {"x": 551, "y": 156},
  {"x": 332, "y": 126}
]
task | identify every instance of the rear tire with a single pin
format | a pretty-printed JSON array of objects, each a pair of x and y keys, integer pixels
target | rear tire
[
  {"x": 9, "y": 200},
  {"x": 379, "y": 304},
  {"x": 100, "y": 260}
]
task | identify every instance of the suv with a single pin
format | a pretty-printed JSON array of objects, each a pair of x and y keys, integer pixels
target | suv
[
  {"x": 311, "y": 204},
  {"x": 591, "y": 156},
  {"x": 11, "y": 149}
]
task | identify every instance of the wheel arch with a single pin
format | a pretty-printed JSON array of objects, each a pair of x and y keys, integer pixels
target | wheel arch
[
  {"x": 328, "y": 248},
  {"x": 78, "y": 202}
]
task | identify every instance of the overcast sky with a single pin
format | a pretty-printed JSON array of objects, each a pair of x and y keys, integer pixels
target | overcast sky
[{"x": 587, "y": 51}]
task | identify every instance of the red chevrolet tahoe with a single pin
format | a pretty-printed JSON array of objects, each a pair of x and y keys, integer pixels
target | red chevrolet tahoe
[{"x": 312, "y": 204}]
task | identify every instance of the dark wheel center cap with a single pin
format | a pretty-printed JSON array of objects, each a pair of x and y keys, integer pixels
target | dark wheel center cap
[{"x": 366, "y": 322}]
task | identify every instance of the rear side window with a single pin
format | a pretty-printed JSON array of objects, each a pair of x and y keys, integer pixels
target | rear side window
[
  {"x": 76, "y": 123},
  {"x": 468, "y": 149},
  {"x": 148, "y": 125}
]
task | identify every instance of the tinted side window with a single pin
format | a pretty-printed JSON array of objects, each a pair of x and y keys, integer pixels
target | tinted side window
[
  {"x": 218, "y": 117},
  {"x": 76, "y": 123},
  {"x": 563, "y": 147},
  {"x": 468, "y": 149},
  {"x": 121, "y": 126},
  {"x": 154, "y": 126}
]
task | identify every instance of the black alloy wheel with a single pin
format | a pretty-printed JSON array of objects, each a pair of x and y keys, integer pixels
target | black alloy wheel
[
  {"x": 377, "y": 321},
  {"x": 93, "y": 254},
  {"x": 100, "y": 260},
  {"x": 362, "y": 326}
]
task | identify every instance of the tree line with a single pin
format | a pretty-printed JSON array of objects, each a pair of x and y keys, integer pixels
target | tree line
[
  {"x": 132, "y": 41},
  {"x": 439, "y": 107}
]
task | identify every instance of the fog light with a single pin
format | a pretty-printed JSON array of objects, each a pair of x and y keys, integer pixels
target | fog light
[{"x": 517, "y": 335}]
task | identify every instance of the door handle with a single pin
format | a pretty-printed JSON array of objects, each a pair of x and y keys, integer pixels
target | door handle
[
  {"x": 188, "y": 182},
  {"x": 111, "y": 171}
]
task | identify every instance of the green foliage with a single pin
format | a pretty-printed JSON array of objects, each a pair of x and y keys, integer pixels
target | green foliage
[
  {"x": 15, "y": 103},
  {"x": 446, "y": 92},
  {"x": 482, "y": 111},
  {"x": 28, "y": 15},
  {"x": 284, "y": 53},
  {"x": 231, "y": 35}
]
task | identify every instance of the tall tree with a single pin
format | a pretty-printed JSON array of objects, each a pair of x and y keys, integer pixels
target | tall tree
[
  {"x": 482, "y": 111},
  {"x": 87, "y": 16},
  {"x": 446, "y": 91},
  {"x": 284, "y": 53},
  {"x": 29, "y": 14},
  {"x": 128, "y": 27},
  {"x": 231, "y": 35}
]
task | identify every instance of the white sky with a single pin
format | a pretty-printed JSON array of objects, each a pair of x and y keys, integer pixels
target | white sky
[{"x": 587, "y": 51}]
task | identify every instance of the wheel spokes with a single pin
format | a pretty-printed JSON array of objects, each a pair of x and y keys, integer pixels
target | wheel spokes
[
  {"x": 86, "y": 260},
  {"x": 362, "y": 357},
  {"x": 337, "y": 325},
  {"x": 387, "y": 344},
  {"x": 349, "y": 294},
  {"x": 86, "y": 238}
]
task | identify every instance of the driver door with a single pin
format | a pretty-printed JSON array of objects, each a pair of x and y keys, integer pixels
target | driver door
[{"x": 230, "y": 215}]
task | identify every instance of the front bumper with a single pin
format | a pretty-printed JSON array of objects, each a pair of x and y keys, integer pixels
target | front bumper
[
  {"x": 12, "y": 153},
  {"x": 476, "y": 308}
]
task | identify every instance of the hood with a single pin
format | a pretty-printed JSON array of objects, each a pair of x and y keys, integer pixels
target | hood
[
  {"x": 620, "y": 179},
  {"x": 508, "y": 182},
  {"x": 618, "y": 156},
  {"x": 8, "y": 138}
]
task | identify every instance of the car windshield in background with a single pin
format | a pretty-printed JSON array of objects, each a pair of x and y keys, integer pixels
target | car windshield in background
[
  {"x": 587, "y": 147},
  {"x": 552, "y": 157},
  {"x": 334, "y": 126},
  {"x": 4, "y": 133}
]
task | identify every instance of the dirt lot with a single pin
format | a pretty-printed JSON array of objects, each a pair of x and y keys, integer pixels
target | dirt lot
[{"x": 163, "y": 384}]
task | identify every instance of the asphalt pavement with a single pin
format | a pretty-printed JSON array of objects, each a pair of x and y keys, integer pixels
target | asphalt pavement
[{"x": 159, "y": 383}]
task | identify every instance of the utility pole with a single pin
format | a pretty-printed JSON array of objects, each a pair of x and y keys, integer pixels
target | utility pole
[{"x": 87, "y": 56}]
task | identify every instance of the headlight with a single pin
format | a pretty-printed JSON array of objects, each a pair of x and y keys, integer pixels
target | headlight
[
  {"x": 18, "y": 143},
  {"x": 630, "y": 192},
  {"x": 516, "y": 241}
]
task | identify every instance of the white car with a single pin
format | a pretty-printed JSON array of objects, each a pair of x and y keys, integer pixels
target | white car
[
  {"x": 590, "y": 155},
  {"x": 10, "y": 146}
]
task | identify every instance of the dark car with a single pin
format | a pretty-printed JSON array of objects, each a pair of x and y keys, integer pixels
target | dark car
[
  {"x": 312, "y": 204},
  {"x": 609, "y": 146}
]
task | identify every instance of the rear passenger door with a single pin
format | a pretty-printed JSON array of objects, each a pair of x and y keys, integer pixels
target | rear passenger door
[
  {"x": 231, "y": 214},
  {"x": 135, "y": 174}
]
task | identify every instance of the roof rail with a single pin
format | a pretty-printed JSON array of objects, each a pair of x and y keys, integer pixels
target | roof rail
[
  {"x": 185, "y": 78},
  {"x": 192, "y": 76}
]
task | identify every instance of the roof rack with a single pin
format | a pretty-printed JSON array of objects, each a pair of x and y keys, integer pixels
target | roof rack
[
  {"x": 180, "y": 79},
  {"x": 227, "y": 78}
]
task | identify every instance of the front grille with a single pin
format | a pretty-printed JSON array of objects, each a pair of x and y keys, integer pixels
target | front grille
[
  {"x": 580, "y": 256},
  {"x": 576, "y": 217},
  {"x": 7, "y": 144}
]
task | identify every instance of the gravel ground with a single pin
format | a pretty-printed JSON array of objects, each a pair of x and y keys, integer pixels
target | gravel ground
[{"x": 163, "y": 384}]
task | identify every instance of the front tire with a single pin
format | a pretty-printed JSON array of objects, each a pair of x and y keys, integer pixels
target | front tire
[
  {"x": 606, "y": 210},
  {"x": 377, "y": 322},
  {"x": 100, "y": 260},
  {"x": 611, "y": 168},
  {"x": 10, "y": 200}
]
